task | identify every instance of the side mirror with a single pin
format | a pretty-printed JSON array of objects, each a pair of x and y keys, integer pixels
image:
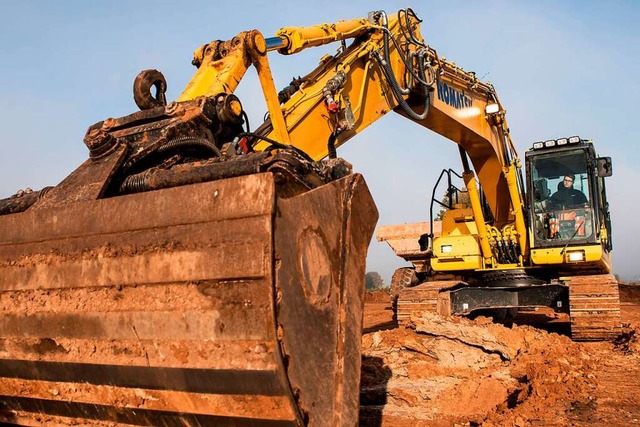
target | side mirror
[
  {"x": 423, "y": 241},
  {"x": 605, "y": 167}
]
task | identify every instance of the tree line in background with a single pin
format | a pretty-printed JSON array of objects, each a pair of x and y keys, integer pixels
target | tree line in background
[{"x": 373, "y": 281}]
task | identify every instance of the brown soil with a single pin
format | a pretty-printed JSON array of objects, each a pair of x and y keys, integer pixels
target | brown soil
[{"x": 441, "y": 372}]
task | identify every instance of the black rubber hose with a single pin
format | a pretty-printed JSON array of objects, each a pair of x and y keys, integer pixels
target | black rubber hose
[
  {"x": 387, "y": 55},
  {"x": 246, "y": 120},
  {"x": 402, "y": 57},
  {"x": 331, "y": 145},
  {"x": 397, "y": 91},
  {"x": 407, "y": 26},
  {"x": 513, "y": 256},
  {"x": 395, "y": 86},
  {"x": 502, "y": 258},
  {"x": 189, "y": 141},
  {"x": 277, "y": 144},
  {"x": 135, "y": 183}
]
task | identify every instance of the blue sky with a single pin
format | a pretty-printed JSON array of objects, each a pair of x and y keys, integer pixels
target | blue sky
[{"x": 560, "y": 69}]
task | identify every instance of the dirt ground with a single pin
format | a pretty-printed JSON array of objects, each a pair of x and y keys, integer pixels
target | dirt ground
[{"x": 469, "y": 373}]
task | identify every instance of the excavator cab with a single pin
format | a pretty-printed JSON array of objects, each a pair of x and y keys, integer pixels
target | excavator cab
[{"x": 567, "y": 200}]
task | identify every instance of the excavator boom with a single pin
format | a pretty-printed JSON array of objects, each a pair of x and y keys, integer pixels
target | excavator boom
[{"x": 389, "y": 67}]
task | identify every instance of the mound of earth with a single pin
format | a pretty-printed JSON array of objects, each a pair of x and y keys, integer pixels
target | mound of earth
[
  {"x": 629, "y": 292},
  {"x": 458, "y": 371}
]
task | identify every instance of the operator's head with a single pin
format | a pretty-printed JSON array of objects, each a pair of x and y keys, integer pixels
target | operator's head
[{"x": 568, "y": 181}]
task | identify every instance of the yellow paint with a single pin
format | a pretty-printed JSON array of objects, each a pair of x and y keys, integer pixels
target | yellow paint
[
  {"x": 518, "y": 209},
  {"x": 458, "y": 222},
  {"x": 236, "y": 108},
  {"x": 299, "y": 38},
  {"x": 476, "y": 207},
  {"x": 594, "y": 254},
  {"x": 464, "y": 254}
]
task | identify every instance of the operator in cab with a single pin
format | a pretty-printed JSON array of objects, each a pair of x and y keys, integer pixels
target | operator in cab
[{"x": 567, "y": 196}]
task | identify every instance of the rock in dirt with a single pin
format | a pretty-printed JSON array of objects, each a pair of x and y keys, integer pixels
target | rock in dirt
[
  {"x": 491, "y": 338},
  {"x": 442, "y": 371}
]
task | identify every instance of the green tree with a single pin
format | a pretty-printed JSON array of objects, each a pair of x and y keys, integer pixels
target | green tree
[{"x": 373, "y": 281}]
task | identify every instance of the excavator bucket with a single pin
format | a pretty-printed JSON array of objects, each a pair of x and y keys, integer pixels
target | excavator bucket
[{"x": 215, "y": 303}]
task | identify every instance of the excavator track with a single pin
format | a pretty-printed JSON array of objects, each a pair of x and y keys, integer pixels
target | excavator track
[
  {"x": 402, "y": 278},
  {"x": 594, "y": 303},
  {"x": 424, "y": 297}
]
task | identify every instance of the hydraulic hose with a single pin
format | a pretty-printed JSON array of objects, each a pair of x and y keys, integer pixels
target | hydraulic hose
[
  {"x": 189, "y": 141},
  {"x": 331, "y": 145},
  {"x": 406, "y": 29},
  {"x": 398, "y": 92},
  {"x": 385, "y": 45},
  {"x": 246, "y": 120},
  {"x": 276, "y": 144},
  {"x": 387, "y": 55}
]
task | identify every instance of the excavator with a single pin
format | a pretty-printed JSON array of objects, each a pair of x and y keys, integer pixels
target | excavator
[{"x": 193, "y": 271}]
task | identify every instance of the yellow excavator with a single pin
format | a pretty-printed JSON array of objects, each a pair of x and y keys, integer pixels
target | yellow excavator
[{"x": 196, "y": 272}]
